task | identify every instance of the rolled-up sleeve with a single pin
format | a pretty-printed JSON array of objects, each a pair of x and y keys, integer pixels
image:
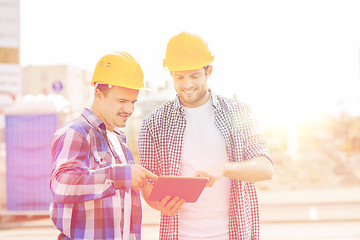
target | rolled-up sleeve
[
  {"x": 252, "y": 137},
  {"x": 73, "y": 181}
]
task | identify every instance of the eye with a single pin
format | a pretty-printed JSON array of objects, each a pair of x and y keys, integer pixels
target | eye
[{"x": 195, "y": 76}]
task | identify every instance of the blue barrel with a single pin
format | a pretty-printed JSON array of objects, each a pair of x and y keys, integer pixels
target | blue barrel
[{"x": 28, "y": 162}]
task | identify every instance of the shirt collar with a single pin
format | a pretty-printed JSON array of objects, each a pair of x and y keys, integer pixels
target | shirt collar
[
  {"x": 215, "y": 101},
  {"x": 177, "y": 103},
  {"x": 93, "y": 119}
]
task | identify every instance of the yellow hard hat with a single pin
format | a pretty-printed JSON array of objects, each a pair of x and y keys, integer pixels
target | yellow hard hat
[
  {"x": 186, "y": 51},
  {"x": 119, "y": 69}
]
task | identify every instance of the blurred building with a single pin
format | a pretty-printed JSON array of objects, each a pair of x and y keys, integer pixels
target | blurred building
[
  {"x": 10, "y": 70},
  {"x": 70, "y": 82}
]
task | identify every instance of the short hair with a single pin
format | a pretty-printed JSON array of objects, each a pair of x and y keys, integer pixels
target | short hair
[{"x": 104, "y": 88}]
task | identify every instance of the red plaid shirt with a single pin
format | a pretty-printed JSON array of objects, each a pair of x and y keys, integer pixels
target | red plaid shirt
[
  {"x": 88, "y": 188},
  {"x": 160, "y": 146}
]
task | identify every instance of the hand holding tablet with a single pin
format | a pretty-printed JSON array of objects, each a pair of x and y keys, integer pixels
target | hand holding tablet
[{"x": 187, "y": 188}]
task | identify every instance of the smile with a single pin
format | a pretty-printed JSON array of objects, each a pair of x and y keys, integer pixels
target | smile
[{"x": 189, "y": 92}]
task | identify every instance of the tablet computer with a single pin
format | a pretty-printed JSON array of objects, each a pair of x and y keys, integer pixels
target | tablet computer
[{"x": 187, "y": 188}]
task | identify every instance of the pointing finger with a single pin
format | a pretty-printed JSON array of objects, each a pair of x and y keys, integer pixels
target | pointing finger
[{"x": 150, "y": 175}]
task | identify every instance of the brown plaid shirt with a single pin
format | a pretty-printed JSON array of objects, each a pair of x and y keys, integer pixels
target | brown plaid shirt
[{"x": 160, "y": 146}]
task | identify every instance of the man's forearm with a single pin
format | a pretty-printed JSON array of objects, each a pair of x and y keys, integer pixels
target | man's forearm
[
  {"x": 253, "y": 170},
  {"x": 71, "y": 186}
]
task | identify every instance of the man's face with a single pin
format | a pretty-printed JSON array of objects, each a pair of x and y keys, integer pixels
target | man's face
[
  {"x": 191, "y": 86},
  {"x": 117, "y": 106}
]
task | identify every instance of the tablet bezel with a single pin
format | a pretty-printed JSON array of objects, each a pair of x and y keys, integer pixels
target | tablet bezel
[{"x": 187, "y": 188}]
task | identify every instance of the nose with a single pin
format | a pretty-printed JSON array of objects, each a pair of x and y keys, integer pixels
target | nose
[
  {"x": 129, "y": 107},
  {"x": 187, "y": 83}
]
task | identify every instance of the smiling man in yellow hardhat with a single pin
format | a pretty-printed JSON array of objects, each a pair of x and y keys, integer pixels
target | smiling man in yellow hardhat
[
  {"x": 94, "y": 181},
  {"x": 200, "y": 133}
]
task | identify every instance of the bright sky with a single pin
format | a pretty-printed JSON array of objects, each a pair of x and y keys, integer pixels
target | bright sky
[{"x": 287, "y": 57}]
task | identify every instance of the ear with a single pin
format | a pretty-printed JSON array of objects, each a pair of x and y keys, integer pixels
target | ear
[
  {"x": 209, "y": 70},
  {"x": 98, "y": 95}
]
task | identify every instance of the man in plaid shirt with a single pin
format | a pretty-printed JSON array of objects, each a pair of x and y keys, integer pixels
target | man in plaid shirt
[
  {"x": 200, "y": 133},
  {"x": 94, "y": 181}
]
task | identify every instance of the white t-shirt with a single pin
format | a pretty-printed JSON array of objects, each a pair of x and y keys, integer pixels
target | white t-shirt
[
  {"x": 204, "y": 146},
  {"x": 116, "y": 146}
]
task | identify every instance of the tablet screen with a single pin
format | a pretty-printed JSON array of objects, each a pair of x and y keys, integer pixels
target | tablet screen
[{"x": 187, "y": 188}]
